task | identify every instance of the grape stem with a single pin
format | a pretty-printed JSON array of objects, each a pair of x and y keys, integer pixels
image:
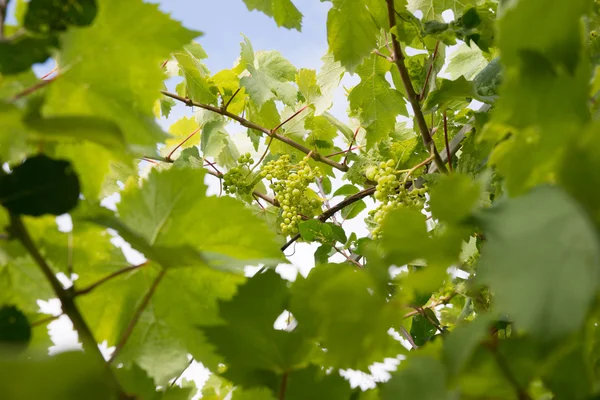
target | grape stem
[
  {"x": 398, "y": 58},
  {"x": 251, "y": 125}
]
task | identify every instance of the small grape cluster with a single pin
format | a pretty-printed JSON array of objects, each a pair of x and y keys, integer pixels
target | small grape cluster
[
  {"x": 290, "y": 184},
  {"x": 234, "y": 181},
  {"x": 391, "y": 193}
]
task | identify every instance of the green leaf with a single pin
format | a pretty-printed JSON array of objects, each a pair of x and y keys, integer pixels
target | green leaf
[
  {"x": 40, "y": 186},
  {"x": 351, "y": 33},
  {"x": 422, "y": 330},
  {"x": 465, "y": 61},
  {"x": 254, "y": 351},
  {"x": 353, "y": 210},
  {"x": 181, "y": 130},
  {"x": 433, "y": 9},
  {"x": 270, "y": 76},
  {"x": 346, "y": 190},
  {"x": 90, "y": 86},
  {"x": 62, "y": 376},
  {"x": 15, "y": 330},
  {"x": 322, "y": 254},
  {"x": 334, "y": 306},
  {"x": 462, "y": 342},
  {"x": 571, "y": 363},
  {"x": 328, "y": 79},
  {"x": 452, "y": 92},
  {"x": 196, "y": 83},
  {"x": 311, "y": 382},
  {"x": 419, "y": 377},
  {"x": 454, "y": 197},
  {"x": 284, "y": 12},
  {"x": 171, "y": 209},
  {"x": 541, "y": 260},
  {"x": 45, "y": 16},
  {"x": 374, "y": 101},
  {"x": 21, "y": 52}
]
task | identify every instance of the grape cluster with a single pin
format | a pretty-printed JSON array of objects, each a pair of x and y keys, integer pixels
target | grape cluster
[
  {"x": 290, "y": 184},
  {"x": 391, "y": 193},
  {"x": 234, "y": 181}
]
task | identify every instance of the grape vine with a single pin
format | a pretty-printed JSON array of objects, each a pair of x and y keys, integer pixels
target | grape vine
[{"x": 437, "y": 213}]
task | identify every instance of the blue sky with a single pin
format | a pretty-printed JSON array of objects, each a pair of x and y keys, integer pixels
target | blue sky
[{"x": 223, "y": 21}]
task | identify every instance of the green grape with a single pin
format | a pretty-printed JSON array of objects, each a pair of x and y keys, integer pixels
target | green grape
[
  {"x": 391, "y": 194},
  {"x": 290, "y": 184},
  {"x": 234, "y": 181}
]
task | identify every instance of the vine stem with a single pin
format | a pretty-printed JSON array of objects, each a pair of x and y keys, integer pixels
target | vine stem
[
  {"x": 448, "y": 153},
  {"x": 411, "y": 95},
  {"x": 107, "y": 278},
  {"x": 429, "y": 71},
  {"x": 251, "y": 125},
  {"x": 3, "y": 7},
  {"x": 137, "y": 315},
  {"x": 230, "y": 99},
  {"x": 34, "y": 88},
  {"x": 283, "y": 386},
  {"x": 181, "y": 144},
  {"x": 19, "y": 231}
]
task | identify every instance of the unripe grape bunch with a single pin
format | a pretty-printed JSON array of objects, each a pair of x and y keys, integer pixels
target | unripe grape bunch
[
  {"x": 235, "y": 180},
  {"x": 392, "y": 194},
  {"x": 290, "y": 184}
]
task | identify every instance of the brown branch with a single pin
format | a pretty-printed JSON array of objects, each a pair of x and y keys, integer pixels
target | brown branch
[
  {"x": 231, "y": 99},
  {"x": 448, "y": 154},
  {"x": 137, "y": 315},
  {"x": 345, "y": 162},
  {"x": 181, "y": 373},
  {"x": 412, "y": 97},
  {"x": 429, "y": 71},
  {"x": 251, "y": 125},
  {"x": 45, "y": 320},
  {"x": 283, "y": 386},
  {"x": 109, "y": 277},
  {"x": 34, "y": 88},
  {"x": 289, "y": 119},
  {"x": 66, "y": 298},
  {"x": 434, "y": 304},
  {"x": 181, "y": 144},
  {"x": 3, "y": 7},
  {"x": 347, "y": 257}
]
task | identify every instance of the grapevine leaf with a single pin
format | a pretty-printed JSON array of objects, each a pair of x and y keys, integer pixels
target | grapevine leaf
[
  {"x": 353, "y": 210},
  {"x": 351, "y": 33},
  {"x": 270, "y": 76},
  {"x": 40, "y": 186},
  {"x": 328, "y": 79},
  {"x": 462, "y": 342},
  {"x": 171, "y": 210},
  {"x": 284, "y": 12},
  {"x": 422, "y": 330},
  {"x": 18, "y": 54},
  {"x": 334, "y": 306},
  {"x": 541, "y": 260},
  {"x": 15, "y": 330},
  {"x": 62, "y": 376},
  {"x": 346, "y": 190},
  {"x": 134, "y": 59},
  {"x": 452, "y": 92},
  {"x": 374, "y": 101},
  {"x": 254, "y": 351},
  {"x": 45, "y": 16},
  {"x": 419, "y": 377},
  {"x": 433, "y": 9},
  {"x": 311, "y": 382},
  {"x": 453, "y": 197},
  {"x": 181, "y": 130},
  {"x": 197, "y": 85}
]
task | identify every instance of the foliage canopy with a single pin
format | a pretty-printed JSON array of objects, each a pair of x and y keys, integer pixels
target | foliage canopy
[{"x": 482, "y": 158}]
